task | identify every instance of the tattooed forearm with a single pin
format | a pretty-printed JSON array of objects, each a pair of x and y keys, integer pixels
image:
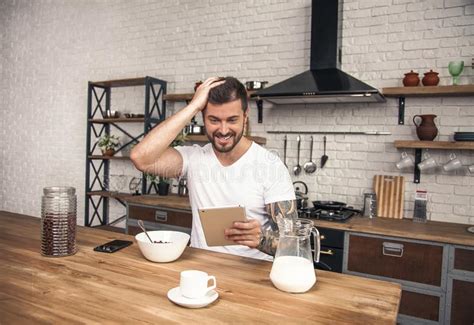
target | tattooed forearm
[{"x": 277, "y": 211}]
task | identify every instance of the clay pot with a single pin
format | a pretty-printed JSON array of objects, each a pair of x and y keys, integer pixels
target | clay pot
[
  {"x": 430, "y": 79},
  {"x": 426, "y": 130},
  {"x": 411, "y": 79},
  {"x": 108, "y": 152}
]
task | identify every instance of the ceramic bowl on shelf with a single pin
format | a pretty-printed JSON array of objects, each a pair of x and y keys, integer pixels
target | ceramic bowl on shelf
[{"x": 167, "y": 245}]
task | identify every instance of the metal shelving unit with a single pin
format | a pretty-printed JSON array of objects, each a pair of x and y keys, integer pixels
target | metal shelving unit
[{"x": 97, "y": 166}]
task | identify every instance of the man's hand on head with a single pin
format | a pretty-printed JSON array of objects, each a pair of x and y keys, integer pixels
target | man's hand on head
[
  {"x": 246, "y": 233},
  {"x": 199, "y": 101}
]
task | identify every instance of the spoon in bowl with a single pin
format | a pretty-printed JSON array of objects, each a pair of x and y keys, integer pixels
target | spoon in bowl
[{"x": 140, "y": 223}]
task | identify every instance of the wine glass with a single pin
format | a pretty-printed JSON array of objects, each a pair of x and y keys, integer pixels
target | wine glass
[{"x": 455, "y": 68}]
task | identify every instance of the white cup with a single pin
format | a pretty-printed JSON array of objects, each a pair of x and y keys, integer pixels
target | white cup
[
  {"x": 194, "y": 284},
  {"x": 453, "y": 164},
  {"x": 405, "y": 162},
  {"x": 427, "y": 163}
]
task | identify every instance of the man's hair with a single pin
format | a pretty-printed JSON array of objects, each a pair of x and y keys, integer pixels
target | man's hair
[{"x": 229, "y": 91}]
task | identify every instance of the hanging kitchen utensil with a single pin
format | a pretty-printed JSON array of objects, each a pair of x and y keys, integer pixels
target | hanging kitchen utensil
[
  {"x": 284, "y": 151},
  {"x": 310, "y": 167},
  {"x": 390, "y": 191},
  {"x": 324, "y": 158},
  {"x": 297, "y": 168}
]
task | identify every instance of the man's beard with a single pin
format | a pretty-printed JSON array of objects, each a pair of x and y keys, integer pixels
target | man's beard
[{"x": 227, "y": 147}]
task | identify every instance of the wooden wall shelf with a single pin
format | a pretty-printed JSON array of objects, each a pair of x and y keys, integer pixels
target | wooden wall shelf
[
  {"x": 431, "y": 91},
  {"x": 178, "y": 97},
  {"x": 203, "y": 138},
  {"x": 420, "y": 145},
  {"x": 447, "y": 145},
  {"x": 424, "y": 91},
  {"x": 188, "y": 96}
]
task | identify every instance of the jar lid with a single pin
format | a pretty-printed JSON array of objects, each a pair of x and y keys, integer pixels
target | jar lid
[{"x": 59, "y": 190}]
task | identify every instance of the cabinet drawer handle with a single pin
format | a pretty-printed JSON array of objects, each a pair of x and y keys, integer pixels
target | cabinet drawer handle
[
  {"x": 392, "y": 249},
  {"x": 328, "y": 252},
  {"x": 161, "y": 216}
]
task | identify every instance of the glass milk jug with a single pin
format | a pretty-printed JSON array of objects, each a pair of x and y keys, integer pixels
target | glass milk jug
[{"x": 293, "y": 268}]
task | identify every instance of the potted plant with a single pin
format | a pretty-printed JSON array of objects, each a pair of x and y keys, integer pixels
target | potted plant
[
  {"x": 108, "y": 143},
  {"x": 160, "y": 184}
]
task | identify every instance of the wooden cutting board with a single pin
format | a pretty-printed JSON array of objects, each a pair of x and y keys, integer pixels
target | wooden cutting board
[{"x": 390, "y": 191}]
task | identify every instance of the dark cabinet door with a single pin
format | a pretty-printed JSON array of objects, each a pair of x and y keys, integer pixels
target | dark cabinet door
[
  {"x": 419, "y": 305},
  {"x": 403, "y": 260},
  {"x": 462, "y": 303}
]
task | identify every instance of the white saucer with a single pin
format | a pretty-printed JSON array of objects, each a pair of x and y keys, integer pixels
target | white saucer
[{"x": 175, "y": 296}]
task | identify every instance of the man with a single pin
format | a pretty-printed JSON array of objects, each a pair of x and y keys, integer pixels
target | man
[{"x": 230, "y": 170}]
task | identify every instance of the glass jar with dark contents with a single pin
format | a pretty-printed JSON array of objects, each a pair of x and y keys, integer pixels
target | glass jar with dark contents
[{"x": 58, "y": 221}]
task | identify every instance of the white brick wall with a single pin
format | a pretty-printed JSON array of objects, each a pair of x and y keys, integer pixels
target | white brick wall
[{"x": 51, "y": 49}]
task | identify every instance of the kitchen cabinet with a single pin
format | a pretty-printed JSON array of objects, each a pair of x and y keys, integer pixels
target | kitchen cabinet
[
  {"x": 437, "y": 279},
  {"x": 441, "y": 145},
  {"x": 420, "y": 267},
  {"x": 424, "y": 91},
  {"x": 460, "y": 302},
  {"x": 98, "y": 191},
  {"x": 170, "y": 212}
]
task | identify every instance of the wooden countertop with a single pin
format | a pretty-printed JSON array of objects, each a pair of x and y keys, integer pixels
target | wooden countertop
[
  {"x": 443, "y": 232},
  {"x": 123, "y": 287}
]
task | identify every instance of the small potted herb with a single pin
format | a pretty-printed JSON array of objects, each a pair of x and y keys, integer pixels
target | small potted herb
[
  {"x": 160, "y": 184},
  {"x": 108, "y": 144}
]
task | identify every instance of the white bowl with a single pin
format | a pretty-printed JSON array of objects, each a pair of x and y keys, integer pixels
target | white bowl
[{"x": 162, "y": 252}]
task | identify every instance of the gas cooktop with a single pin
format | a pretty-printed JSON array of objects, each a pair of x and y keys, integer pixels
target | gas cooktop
[{"x": 338, "y": 215}]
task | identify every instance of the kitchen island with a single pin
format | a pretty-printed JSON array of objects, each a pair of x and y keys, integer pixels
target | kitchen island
[{"x": 123, "y": 287}]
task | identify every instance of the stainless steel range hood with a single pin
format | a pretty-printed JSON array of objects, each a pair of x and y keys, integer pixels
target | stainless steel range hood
[{"x": 324, "y": 82}]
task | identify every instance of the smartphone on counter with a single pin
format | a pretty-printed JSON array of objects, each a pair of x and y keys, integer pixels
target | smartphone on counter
[{"x": 113, "y": 246}]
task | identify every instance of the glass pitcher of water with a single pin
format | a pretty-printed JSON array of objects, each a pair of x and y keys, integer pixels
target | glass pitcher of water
[{"x": 293, "y": 268}]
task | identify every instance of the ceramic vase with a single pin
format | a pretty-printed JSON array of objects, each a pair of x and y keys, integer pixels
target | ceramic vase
[
  {"x": 430, "y": 79},
  {"x": 426, "y": 130},
  {"x": 411, "y": 79}
]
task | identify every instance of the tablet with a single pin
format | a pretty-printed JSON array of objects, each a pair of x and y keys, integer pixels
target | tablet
[{"x": 215, "y": 220}]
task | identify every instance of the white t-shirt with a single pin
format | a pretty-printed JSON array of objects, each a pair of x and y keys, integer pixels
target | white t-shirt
[{"x": 256, "y": 179}]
